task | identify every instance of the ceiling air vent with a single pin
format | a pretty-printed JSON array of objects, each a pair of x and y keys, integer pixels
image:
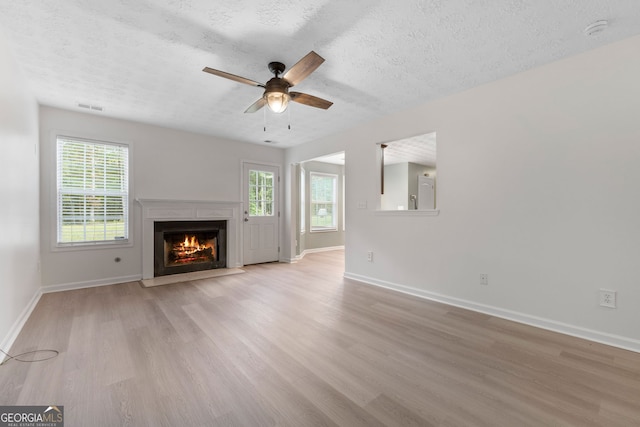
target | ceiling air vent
[
  {"x": 90, "y": 107},
  {"x": 596, "y": 27}
]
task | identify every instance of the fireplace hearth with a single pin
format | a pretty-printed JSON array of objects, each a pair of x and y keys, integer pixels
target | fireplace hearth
[{"x": 188, "y": 246}]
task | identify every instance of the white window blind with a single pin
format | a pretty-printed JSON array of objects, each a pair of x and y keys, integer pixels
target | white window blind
[{"x": 92, "y": 191}]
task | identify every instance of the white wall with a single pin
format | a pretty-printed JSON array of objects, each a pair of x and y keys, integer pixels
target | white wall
[
  {"x": 537, "y": 186},
  {"x": 159, "y": 157},
  {"x": 396, "y": 193},
  {"x": 19, "y": 210}
]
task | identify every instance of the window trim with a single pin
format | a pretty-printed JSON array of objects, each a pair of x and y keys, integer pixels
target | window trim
[
  {"x": 343, "y": 200},
  {"x": 335, "y": 227},
  {"x": 56, "y": 246}
]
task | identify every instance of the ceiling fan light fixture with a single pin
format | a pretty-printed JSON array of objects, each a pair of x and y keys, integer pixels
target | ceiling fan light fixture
[
  {"x": 277, "y": 95},
  {"x": 277, "y": 101}
]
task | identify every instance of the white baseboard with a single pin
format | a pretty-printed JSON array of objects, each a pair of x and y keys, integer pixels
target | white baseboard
[
  {"x": 8, "y": 341},
  {"x": 297, "y": 258},
  {"x": 327, "y": 249},
  {"x": 316, "y": 250},
  {"x": 539, "y": 322},
  {"x": 90, "y": 283}
]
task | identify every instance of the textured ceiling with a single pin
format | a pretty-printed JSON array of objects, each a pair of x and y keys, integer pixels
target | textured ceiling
[
  {"x": 419, "y": 149},
  {"x": 142, "y": 60}
]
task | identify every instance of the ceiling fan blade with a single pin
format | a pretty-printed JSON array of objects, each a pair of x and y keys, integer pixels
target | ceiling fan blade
[
  {"x": 256, "y": 106},
  {"x": 303, "y": 68},
  {"x": 310, "y": 100},
  {"x": 232, "y": 77}
]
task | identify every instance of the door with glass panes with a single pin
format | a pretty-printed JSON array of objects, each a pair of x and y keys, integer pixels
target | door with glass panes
[{"x": 261, "y": 213}]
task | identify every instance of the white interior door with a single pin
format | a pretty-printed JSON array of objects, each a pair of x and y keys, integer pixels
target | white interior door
[{"x": 261, "y": 215}]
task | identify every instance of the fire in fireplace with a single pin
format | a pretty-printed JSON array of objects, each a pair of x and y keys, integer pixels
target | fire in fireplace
[
  {"x": 186, "y": 246},
  {"x": 179, "y": 251}
]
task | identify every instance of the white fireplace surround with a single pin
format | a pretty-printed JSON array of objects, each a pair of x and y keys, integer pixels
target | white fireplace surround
[{"x": 190, "y": 210}]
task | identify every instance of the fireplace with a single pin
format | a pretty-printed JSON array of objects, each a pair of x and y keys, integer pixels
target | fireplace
[
  {"x": 187, "y": 246},
  {"x": 161, "y": 210}
]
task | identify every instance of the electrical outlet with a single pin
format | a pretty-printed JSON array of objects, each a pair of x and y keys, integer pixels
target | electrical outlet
[
  {"x": 370, "y": 256},
  {"x": 607, "y": 298},
  {"x": 484, "y": 279}
]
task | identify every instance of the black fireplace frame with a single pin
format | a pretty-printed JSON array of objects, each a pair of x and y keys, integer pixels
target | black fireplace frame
[{"x": 162, "y": 227}]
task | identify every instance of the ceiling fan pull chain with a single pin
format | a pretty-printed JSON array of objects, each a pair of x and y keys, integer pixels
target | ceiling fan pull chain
[
  {"x": 289, "y": 116},
  {"x": 265, "y": 119}
]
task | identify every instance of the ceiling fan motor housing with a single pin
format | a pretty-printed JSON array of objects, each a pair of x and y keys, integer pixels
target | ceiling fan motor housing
[{"x": 276, "y": 84}]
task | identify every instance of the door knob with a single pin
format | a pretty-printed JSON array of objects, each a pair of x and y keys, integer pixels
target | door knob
[{"x": 246, "y": 220}]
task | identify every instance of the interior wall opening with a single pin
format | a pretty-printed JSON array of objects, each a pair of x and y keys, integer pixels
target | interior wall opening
[{"x": 408, "y": 173}]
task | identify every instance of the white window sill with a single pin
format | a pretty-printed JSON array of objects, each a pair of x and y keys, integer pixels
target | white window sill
[
  {"x": 324, "y": 230},
  {"x": 64, "y": 247}
]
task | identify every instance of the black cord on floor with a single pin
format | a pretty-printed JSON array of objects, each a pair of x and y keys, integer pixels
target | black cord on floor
[{"x": 17, "y": 357}]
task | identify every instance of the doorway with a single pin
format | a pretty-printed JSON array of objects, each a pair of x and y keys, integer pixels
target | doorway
[{"x": 321, "y": 204}]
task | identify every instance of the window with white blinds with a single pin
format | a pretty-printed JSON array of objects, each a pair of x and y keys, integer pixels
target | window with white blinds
[{"x": 92, "y": 191}]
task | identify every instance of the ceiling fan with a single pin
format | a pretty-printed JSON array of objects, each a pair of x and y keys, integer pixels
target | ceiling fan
[{"x": 276, "y": 91}]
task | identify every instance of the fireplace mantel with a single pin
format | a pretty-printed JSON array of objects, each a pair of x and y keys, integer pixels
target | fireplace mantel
[{"x": 190, "y": 210}]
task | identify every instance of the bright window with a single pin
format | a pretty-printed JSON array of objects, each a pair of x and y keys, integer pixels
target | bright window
[
  {"x": 261, "y": 187},
  {"x": 323, "y": 204},
  {"x": 344, "y": 203},
  {"x": 92, "y": 191}
]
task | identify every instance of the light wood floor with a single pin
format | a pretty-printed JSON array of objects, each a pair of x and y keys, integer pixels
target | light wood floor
[{"x": 298, "y": 345}]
